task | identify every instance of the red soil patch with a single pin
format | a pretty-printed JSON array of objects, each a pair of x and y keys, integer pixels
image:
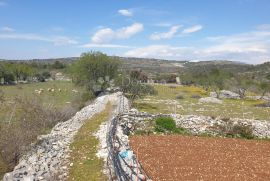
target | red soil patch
[{"x": 177, "y": 157}]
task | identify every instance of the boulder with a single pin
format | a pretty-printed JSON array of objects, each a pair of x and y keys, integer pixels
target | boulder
[
  {"x": 225, "y": 94},
  {"x": 210, "y": 100}
]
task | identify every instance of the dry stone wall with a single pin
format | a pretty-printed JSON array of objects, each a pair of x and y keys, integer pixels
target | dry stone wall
[{"x": 49, "y": 158}]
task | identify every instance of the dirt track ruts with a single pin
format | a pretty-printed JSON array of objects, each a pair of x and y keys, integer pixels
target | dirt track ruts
[{"x": 177, "y": 157}]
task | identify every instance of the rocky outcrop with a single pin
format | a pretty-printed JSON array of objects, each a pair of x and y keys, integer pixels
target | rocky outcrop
[
  {"x": 49, "y": 158},
  {"x": 225, "y": 94},
  {"x": 210, "y": 100},
  {"x": 266, "y": 98}
]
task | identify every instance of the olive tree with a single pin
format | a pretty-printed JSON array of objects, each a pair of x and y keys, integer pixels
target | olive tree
[
  {"x": 95, "y": 70},
  {"x": 132, "y": 87}
]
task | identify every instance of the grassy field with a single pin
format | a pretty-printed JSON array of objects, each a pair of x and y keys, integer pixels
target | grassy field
[
  {"x": 166, "y": 102},
  {"x": 9, "y": 108},
  {"x": 86, "y": 165},
  {"x": 27, "y": 91}
]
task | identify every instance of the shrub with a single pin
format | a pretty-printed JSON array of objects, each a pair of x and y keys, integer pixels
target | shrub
[
  {"x": 243, "y": 131},
  {"x": 164, "y": 124},
  {"x": 229, "y": 129},
  {"x": 167, "y": 125},
  {"x": 179, "y": 97},
  {"x": 225, "y": 119},
  {"x": 195, "y": 96}
]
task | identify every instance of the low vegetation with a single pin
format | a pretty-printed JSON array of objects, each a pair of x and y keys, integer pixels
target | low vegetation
[
  {"x": 24, "y": 115},
  {"x": 12, "y": 72},
  {"x": 235, "y": 130},
  {"x": 27, "y": 120},
  {"x": 166, "y": 125},
  {"x": 166, "y": 101},
  {"x": 85, "y": 164}
]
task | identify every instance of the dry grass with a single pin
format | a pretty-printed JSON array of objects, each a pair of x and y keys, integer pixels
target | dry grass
[
  {"x": 86, "y": 165},
  {"x": 31, "y": 118},
  {"x": 24, "y": 114}
]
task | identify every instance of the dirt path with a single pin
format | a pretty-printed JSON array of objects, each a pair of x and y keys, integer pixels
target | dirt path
[{"x": 200, "y": 158}]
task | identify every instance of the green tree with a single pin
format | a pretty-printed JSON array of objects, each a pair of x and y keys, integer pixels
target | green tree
[
  {"x": 216, "y": 80},
  {"x": 6, "y": 74},
  {"x": 58, "y": 65},
  {"x": 94, "y": 70},
  {"x": 132, "y": 87}
]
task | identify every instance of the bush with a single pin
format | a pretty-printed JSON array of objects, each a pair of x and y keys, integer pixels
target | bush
[
  {"x": 243, "y": 131},
  {"x": 164, "y": 124},
  {"x": 225, "y": 119},
  {"x": 229, "y": 129},
  {"x": 167, "y": 125},
  {"x": 179, "y": 97},
  {"x": 195, "y": 96}
]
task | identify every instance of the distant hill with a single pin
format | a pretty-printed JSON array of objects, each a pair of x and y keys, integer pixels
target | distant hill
[
  {"x": 152, "y": 66},
  {"x": 160, "y": 66}
]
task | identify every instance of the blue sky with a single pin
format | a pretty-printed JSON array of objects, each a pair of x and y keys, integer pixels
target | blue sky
[{"x": 237, "y": 30}]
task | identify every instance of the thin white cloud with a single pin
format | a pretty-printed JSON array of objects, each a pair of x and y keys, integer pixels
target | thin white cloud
[
  {"x": 125, "y": 12},
  {"x": 163, "y": 24},
  {"x": 167, "y": 35},
  {"x": 7, "y": 29},
  {"x": 63, "y": 40},
  {"x": 192, "y": 29},
  {"x": 106, "y": 35},
  {"x": 250, "y": 47},
  {"x": 56, "y": 40},
  {"x": 92, "y": 45}
]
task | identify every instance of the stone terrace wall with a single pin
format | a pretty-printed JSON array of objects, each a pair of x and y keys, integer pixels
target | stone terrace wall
[
  {"x": 49, "y": 158},
  {"x": 134, "y": 120}
]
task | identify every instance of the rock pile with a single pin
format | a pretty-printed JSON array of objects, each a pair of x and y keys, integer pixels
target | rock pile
[
  {"x": 204, "y": 124},
  {"x": 134, "y": 120},
  {"x": 48, "y": 159}
]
